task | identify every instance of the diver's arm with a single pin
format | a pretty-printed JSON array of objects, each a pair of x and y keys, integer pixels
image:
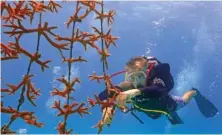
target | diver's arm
[
  {"x": 108, "y": 112},
  {"x": 125, "y": 96},
  {"x": 103, "y": 95},
  {"x": 123, "y": 86},
  {"x": 153, "y": 90}
]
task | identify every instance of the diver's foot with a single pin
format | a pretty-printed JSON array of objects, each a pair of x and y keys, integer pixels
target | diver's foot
[
  {"x": 206, "y": 107},
  {"x": 196, "y": 91}
]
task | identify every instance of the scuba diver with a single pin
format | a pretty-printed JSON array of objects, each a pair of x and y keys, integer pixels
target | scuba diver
[{"x": 147, "y": 85}]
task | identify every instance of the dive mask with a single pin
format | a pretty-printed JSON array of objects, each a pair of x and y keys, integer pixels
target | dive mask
[{"x": 136, "y": 77}]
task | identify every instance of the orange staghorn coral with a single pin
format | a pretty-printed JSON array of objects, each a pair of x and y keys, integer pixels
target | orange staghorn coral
[
  {"x": 109, "y": 103},
  {"x": 33, "y": 57},
  {"x": 31, "y": 90},
  {"x": 71, "y": 60},
  {"x": 59, "y": 92},
  {"x": 8, "y": 110},
  {"x": 104, "y": 54},
  {"x": 84, "y": 38},
  {"x": 75, "y": 17},
  {"x": 68, "y": 87},
  {"x": 108, "y": 16},
  {"x": 3, "y": 6},
  {"x": 61, "y": 127},
  {"x": 82, "y": 110},
  {"x": 26, "y": 116},
  {"x": 34, "y": 122},
  {"x": 8, "y": 52},
  {"x": 6, "y": 130},
  {"x": 69, "y": 109},
  {"x": 68, "y": 84},
  {"x": 99, "y": 126},
  {"x": 5, "y": 90},
  {"x": 104, "y": 77},
  {"x": 14, "y": 14},
  {"x": 90, "y": 4},
  {"x": 31, "y": 93},
  {"x": 95, "y": 77},
  {"x": 109, "y": 39},
  {"x": 38, "y": 6},
  {"x": 20, "y": 30},
  {"x": 14, "y": 88},
  {"x": 52, "y": 6}
]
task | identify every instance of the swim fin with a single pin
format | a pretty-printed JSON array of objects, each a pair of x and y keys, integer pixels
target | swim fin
[
  {"x": 174, "y": 118},
  {"x": 206, "y": 107}
]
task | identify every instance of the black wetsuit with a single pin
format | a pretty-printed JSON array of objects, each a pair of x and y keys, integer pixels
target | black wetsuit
[
  {"x": 162, "y": 72},
  {"x": 153, "y": 90},
  {"x": 155, "y": 96}
]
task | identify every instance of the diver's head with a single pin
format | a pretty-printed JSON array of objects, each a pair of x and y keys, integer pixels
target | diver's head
[{"x": 136, "y": 71}]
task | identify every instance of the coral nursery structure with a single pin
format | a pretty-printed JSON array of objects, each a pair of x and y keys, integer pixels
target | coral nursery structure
[{"x": 13, "y": 15}]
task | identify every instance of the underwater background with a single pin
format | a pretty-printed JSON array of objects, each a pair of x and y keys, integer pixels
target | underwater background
[{"x": 187, "y": 35}]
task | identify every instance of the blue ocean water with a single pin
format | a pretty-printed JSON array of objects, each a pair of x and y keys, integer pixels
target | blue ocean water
[{"x": 187, "y": 35}]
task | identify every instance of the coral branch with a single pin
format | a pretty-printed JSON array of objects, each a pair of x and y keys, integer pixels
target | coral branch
[
  {"x": 60, "y": 128},
  {"x": 57, "y": 106},
  {"x": 92, "y": 102},
  {"x": 16, "y": 13},
  {"x": 27, "y": 116},
  {"x": 99, "y": 126},
  {"x": 90, "y": 4},
  {"x": 74, "y": 17},
  {"x": 53, "y": 6},
  {"x": 71, "y": 60},
  {"x": 9, "y": 58},
  {"x": 34, "y": 57},
  {"x": 7, "y": 50},
  {"x": 3, "y": 6},
  {"x": 31, "y": 93},
  {"x": 13, "y": 88},
  {"x": 82, "y": 110},
  {"x": 5, "y": 90},
  {"x": 38, "y": 6},
  {"x": 68, "y": 87},
  {"x": 20, "y": 30},
  {"x": 34, "y": 122},
  {"x": 8, "y": 110},
  {"x": 108, "y": 16},
  {"x": 60, "y": 93},
  {"x": 6, "y": 130}
]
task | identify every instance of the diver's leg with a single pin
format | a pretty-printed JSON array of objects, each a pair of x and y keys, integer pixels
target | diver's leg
[
  {"x": 185, "y": 99},
  {"x": 206, "y": 107},
  {"x": 189, "y": 95}
]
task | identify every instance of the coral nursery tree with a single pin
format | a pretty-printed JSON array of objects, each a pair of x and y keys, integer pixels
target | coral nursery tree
[{"x": 13, "y": 15}]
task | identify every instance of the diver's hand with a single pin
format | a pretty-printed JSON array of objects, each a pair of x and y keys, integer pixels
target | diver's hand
[
  {"x": 121, "y": 101},
  {"x": 125, "y": 96}
]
